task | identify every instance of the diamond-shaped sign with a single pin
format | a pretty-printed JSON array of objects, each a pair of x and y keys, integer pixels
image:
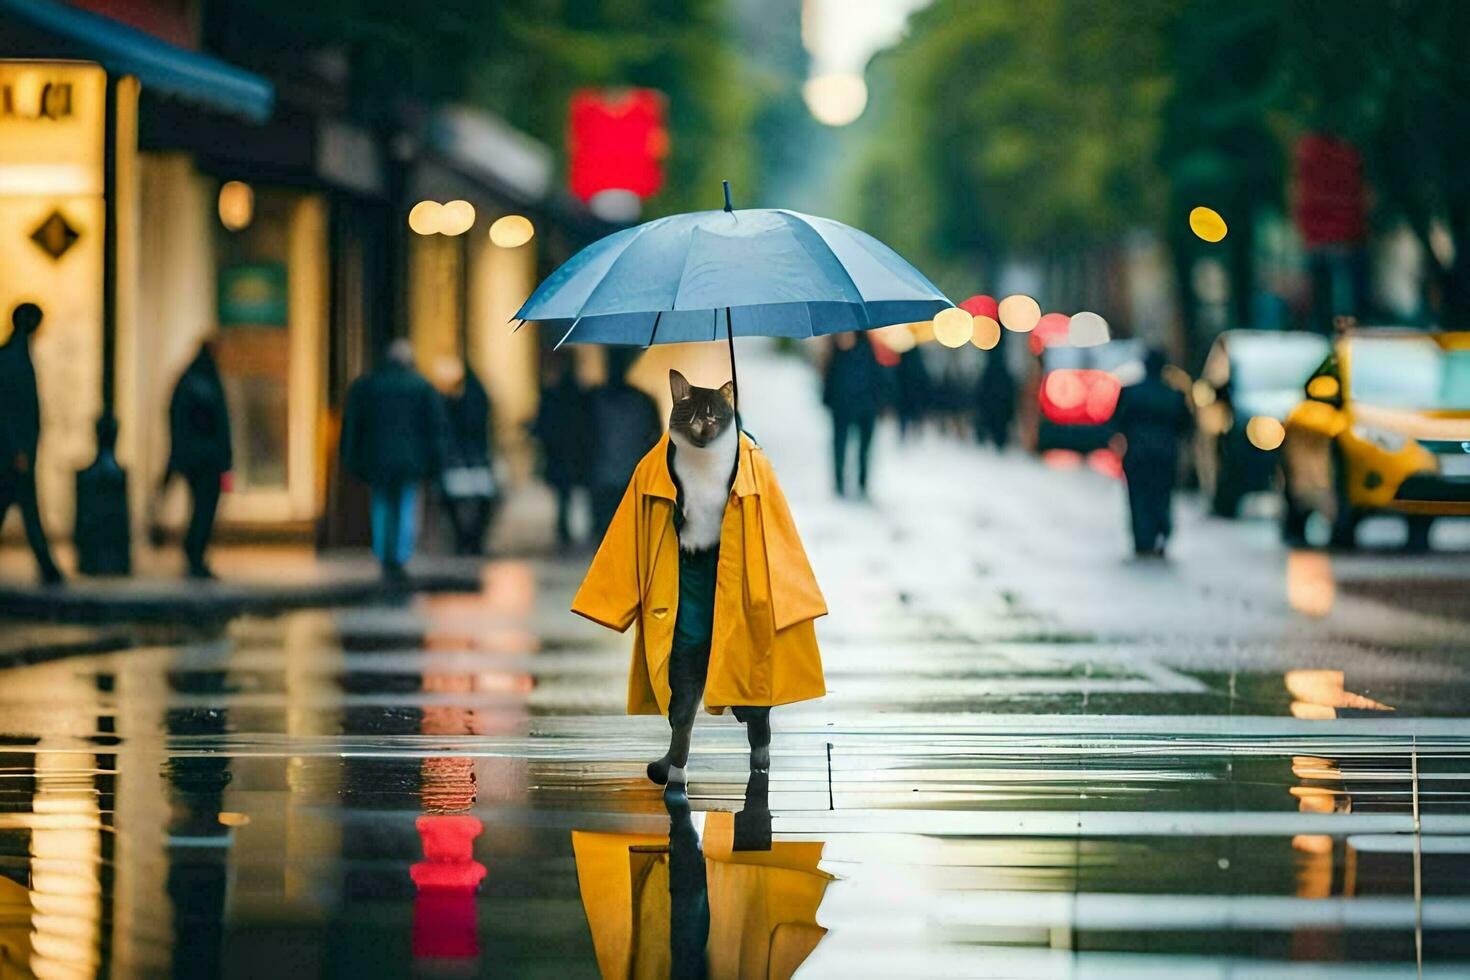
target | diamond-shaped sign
[{"x": 54, "y": 236}]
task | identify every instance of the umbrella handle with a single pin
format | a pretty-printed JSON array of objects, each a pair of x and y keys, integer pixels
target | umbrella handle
[{"x": 730, "y": 337}]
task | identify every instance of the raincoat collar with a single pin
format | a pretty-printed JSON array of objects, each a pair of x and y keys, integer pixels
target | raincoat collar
[{"x": 661, "y": 481}]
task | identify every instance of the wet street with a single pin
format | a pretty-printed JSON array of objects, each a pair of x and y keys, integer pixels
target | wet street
[{"x": 1038, "y": 758}]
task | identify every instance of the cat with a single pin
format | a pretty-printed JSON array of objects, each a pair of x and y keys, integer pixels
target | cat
[{"x": 703, "y": 430}]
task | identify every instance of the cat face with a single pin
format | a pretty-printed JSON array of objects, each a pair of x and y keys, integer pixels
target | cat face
[{"x": 700, "y": 415}]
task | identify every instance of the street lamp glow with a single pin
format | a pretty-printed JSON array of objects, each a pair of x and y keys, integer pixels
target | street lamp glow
[
  {"x": 987, "y": 332},
  {"x": 836, "y": 99},
  {"x": 424, "y": 218},
  {"x": 236, "y": 205},
  {"x": 1265, "y": 432},
  {"x": 456, "y": 218},
  {"x": 1020, "y": 313},
  {"x": 953, "y": 327},
  {"x": 512, "y": 231},
  {"x": 1207, "y": 224}
]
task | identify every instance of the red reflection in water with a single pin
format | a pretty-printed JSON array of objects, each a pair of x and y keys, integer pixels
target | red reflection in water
[{"x": 445, "y": 924}]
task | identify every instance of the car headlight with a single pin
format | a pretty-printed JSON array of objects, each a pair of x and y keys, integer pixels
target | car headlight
[{"x": 1386, "y": 439}]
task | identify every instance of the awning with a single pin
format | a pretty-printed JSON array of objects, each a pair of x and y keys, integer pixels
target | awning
[{"x": 160, "y": 66}]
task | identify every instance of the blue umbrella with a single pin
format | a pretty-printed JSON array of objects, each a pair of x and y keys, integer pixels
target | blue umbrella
[{"x": 762, "y": 272}]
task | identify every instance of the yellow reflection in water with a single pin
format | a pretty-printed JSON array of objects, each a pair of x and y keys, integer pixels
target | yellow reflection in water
[
  {"x": 1319, "y": 693},
  {"x": 762, "y": 904}
]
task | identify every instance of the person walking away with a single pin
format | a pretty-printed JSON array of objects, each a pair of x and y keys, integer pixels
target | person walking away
[
  {"x": 1152, "y": 417},
  {"x": 394, "y": 436},
  {"x": 912, "y": 391},
  {"x": 624, "y": 425},
  {"x": 561, "y": 428},
  {"x": 995, "y": 400},
  {"x": 20, "y": 433},
  {"x": 469, "y": 478},
  {"x": 200, "y": 450},
  {"x": 852, "y": 391}
]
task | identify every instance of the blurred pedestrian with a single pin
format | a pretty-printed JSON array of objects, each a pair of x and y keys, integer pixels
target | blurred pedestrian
[
  {"x": 200, "y": 449},
  {"x": 912, "y": 391},
  {"x": 1151, "y": 417},
  {"x": 852, "y": 390},
  {"x": 624, "y": 425},
  {"x": 995, "y": 400},
  {"x": 394, "y": 436},
  {"x": 20, "y": 433},
  {"x": 469, "y": 487},
  {"x": 561, "y": 428}
]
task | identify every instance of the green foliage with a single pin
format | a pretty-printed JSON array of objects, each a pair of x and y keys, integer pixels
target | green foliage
[{"x": 1018, "y": 125}]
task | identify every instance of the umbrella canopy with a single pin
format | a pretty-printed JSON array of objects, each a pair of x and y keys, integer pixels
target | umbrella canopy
[{"x": 709, "y": 275}]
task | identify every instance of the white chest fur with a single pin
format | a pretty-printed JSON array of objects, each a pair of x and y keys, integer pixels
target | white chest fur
[{"x": 704, "y": 476}]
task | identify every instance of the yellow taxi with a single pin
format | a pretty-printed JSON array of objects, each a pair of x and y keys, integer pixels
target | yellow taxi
[{"x": 1385, "y": 428}]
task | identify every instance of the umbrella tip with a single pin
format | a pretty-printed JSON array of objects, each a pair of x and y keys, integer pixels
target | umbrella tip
[{"x": 728, "y": 205}]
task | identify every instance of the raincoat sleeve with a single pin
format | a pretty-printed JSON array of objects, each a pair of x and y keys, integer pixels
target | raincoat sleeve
[
  {"x": 793, "y": 590},
  {"x": 610, "y": 593}
]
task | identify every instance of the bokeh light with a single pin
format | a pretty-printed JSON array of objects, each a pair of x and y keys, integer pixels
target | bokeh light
[
  {"x": 1019, "y": 313},
  {"x": 1087, "y": 329},
  {"x": 1050, "y": 331},
  {"x": 236, "y": 205},
  {"x": 987, "y": 332},
  {"x": 982, "y": 305},
  {"x": 1207, "y": 224},
  {"x": 897, "y": 338},
  {"x": 424, "y": 218},
  {"x": 953, "y": 327},
  {"x": 512, "y": 231},
  {"x": 836, "y": 99},
  {"x": 456, "y": 218},
  {"x": 1265, "y": 432}
]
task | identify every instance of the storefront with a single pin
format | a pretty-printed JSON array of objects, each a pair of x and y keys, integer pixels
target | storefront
[
  {"x": 70, "y": 230},
  {"x": 473, "y": 263}
]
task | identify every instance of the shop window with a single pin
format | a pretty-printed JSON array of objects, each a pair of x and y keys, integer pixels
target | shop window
[{"x": 254, "y": 349}]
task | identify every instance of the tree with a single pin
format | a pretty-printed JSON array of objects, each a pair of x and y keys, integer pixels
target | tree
[
  {"x": 1391, "y": 77},
  {"x": 1017, "y": 127}
]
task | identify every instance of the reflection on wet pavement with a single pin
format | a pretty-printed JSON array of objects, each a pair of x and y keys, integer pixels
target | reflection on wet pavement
[{"x": 449, "y": 785}]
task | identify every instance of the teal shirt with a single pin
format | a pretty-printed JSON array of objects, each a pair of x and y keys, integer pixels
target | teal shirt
[{"x": 698, "y": 571}]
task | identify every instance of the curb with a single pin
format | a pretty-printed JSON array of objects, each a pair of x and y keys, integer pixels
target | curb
[{"x": 211, "y": 600}]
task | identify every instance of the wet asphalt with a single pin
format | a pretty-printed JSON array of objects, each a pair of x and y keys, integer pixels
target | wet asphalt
[{"x": 1038, "y": 757}]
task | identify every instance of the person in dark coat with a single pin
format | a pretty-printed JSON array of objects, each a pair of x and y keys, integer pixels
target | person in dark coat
[
  {"x": 1152, "y": 417},
  {"x": 995, "y": 400},
  {"x": 394, "y": 436},
  {"x": 469, "y": 481},
  {"x": 200, "y": 449},
  {"x": 624, "y": 425},
  {"x": 20, "y": 433},
  {"x": 561, "y": 428},
  {"x": 913, "y": 391},
  {"x": 852, "y": 391}
]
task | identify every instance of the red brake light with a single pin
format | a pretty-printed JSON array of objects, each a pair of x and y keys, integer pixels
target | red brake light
[{"x": 1079, "y": 396}]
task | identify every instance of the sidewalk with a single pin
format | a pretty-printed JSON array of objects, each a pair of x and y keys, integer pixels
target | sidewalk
[{"x": 252, "y": 579}]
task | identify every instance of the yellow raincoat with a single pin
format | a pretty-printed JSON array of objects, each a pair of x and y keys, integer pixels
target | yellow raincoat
[{"x": 764, "y": 647}]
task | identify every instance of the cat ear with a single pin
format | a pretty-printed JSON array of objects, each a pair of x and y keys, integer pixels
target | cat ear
[
  {"x": 728, "y": 390},
  {"x": 678, "y": 385}
]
